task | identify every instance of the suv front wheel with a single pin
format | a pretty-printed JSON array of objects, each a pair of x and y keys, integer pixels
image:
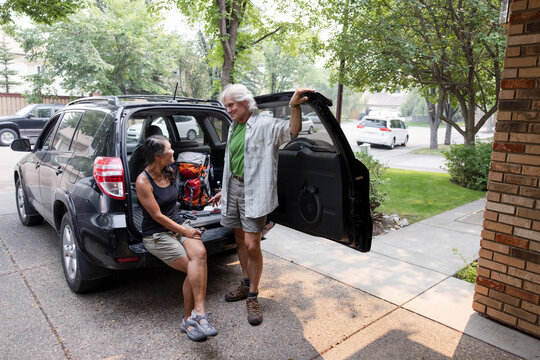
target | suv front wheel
[
  {"x": 72, "y": 260},
  {"x": 7, "y": 136}
]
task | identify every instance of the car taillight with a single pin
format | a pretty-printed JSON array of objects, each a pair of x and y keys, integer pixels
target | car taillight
[
  {"x": 385, "y": 129},
  {"x": 109, "y": 175},
  {"x": 360, "y": 126}
]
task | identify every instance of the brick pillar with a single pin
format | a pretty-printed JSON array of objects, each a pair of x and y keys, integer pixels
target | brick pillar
[{"x": 508, "y": 282}]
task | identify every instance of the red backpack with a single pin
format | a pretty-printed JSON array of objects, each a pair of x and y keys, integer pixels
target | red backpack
[{"x": 194, "y": 182}]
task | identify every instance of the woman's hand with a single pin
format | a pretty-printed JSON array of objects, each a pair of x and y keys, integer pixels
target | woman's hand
[{"x": 216, "y": 199}]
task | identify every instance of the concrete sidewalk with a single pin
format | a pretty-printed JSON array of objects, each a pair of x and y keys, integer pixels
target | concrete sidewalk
[{"x": 412, "y": 269}]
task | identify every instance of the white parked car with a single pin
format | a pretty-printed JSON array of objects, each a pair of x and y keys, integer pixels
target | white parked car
[
  {"x": 307, "y": 124},
  {"x": 389, "y": 132},
  {"x": 186, "y": 125}
]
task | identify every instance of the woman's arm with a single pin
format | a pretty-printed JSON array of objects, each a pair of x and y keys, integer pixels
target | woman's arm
[{"x": 148, "y": 201}]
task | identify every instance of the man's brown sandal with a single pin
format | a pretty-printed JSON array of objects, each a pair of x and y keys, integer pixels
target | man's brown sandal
[
  {"x": 254, "y": 311},
  {"x": 240, "y": 293}
]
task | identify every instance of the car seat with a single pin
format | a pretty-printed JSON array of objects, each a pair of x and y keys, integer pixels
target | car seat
[{"x": 137, "y": 162}]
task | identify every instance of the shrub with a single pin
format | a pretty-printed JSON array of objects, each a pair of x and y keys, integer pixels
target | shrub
[
  {"x": 468, "y": 165},
  {"x": 377, "y": 178}
]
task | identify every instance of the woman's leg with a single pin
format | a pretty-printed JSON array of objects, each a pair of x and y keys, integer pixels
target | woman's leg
[
  {"x": 197, "y": 272},
  {"x": 181, "y": 264}
]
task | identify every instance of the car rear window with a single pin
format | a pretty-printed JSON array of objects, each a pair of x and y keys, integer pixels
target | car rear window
[{"x": 376, "y": 123}]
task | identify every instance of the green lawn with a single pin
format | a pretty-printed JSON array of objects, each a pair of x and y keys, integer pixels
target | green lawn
[
  {"x": 428, "y": 151},
  {"x": 417, "y": 195}
]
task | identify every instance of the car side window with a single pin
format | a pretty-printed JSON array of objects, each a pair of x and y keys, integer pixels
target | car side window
[
  {"x": 42, "y": 111},
  {"x": 85, "y": 136},
  {"x": 221, "y": 127},
  {"x": 46, "y": 142},
  {"x": 188, "y": 128},
  {"x": 65, "y": 130}
]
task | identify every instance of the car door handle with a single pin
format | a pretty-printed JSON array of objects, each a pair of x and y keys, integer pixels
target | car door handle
[
  {"x": 38, "y": 164},
  {"x": 59, "y": 170}
]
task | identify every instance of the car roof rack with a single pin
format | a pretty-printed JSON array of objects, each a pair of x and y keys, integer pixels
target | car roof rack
[{"x": 126, "y": 99}]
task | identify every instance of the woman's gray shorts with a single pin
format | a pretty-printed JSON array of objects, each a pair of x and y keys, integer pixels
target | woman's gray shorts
[
  {"x": 166, "y": 246},
  {"x": 236, "y": 209}
]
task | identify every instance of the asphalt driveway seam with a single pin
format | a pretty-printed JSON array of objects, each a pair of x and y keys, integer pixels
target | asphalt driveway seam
[{"x": 36, "y": 299}]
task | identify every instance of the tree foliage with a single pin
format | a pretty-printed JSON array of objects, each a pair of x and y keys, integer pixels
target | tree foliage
[
  {"x": 40, "y": 11},
  {"x": 449, "y": 48},
  {"x": 118, "y": 47},
  {"x": 6, "y": 74}
]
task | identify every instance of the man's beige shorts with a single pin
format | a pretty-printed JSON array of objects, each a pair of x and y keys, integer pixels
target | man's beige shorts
[
  {"x": 236, "y": 208},
  {"x": 166, "y": 246}
]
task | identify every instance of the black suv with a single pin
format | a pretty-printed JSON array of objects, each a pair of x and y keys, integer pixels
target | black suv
[
  {"x": 27, "y": 122},
  {"x": 80, "y": 178}
]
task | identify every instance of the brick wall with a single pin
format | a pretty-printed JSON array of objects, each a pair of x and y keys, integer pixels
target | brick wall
[{"x": 508, "y": 281}]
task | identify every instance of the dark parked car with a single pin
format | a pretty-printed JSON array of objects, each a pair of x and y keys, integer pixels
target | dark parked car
[
  {"x": 27, "y": 122},
  {"x": 80, "y": 178}
]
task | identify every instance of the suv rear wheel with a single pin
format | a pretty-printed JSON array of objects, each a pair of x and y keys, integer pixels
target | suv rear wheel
[
  {"x": 26, "y": 212},
  {"x": 72, "y": 260}
]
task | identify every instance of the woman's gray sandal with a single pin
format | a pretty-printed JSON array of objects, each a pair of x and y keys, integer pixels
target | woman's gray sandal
[
  {"x": 193, "y": 334},
  {"x": 204, "y": 328}
]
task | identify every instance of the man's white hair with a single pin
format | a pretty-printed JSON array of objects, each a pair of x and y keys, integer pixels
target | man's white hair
[{"x": 238, "y": 93}]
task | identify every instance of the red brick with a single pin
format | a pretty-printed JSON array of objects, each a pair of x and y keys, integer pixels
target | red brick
[
  {"x": 505, "y": 167},
  {"x": 532, "y": 28},
  {"x": 534, "y": 246},
  {"x": 520, "y": 180},
  {"x": 523, "y": 274},
  {"x": 500, "y": 136},
  {"x": 509, "y": 260},
  {"x": 505, "y": 188},
  {"x": 509, "y": 147},
  {"x": 512, "y": 51},
  {"x": 529, "y": 50},
  {"x": 525, "y": 255},
  {"x": 522, "y": 39},
  {"x": 505, "y": 298},
  {"x": 518, "y": 5},
  {"x": 520, "y": 61},
  {"x": 515, "y": 105},
  {"x": 527, "y": 191},
  {"x": 504, "y": 116},
  {"x": 517, "y": 84},
  {"x": 524, "y": 138},
  {"x": 481, "y": 289},
  {"x": 509, "y": 280},
  {"x": 498, "y": 156},
  {"x": 528, "y": 327},
  {"x": 491, "y": 245},
  {"x": 491, "y": 215},
  {"x": 493, "y": 196},
  {"x": 531, "y": 287},
  {"x": 502, "y": 317},
  {"x": 535, "y": 105},
  {"x": 534, "y": 4},
  {"x": 532, "y": 308},
  {"x": 489, "y": 235},
  {"x": 533, "y": 267},
  {"x": 517, "y": 200},
  {"x": 513, "y": 127},
  {"x": 524, "y": 295},
  {"x": 512, "y": 241},
  {"x": 521, "y": 314},
  {"x": 531, "y": 170},
  {"x": 529, "y": 213},
  {"x": 528, "y": 93},
  {"x": 501, "y": 208},
  {"x": 523, "y": 159},
  {"x": 527, "y": 234},
  {"x": 486, "y": 254},
  {"x": 484, "y": 273},
  {"x": 525, "y": 115},
  {"x": 488, "y": 264},
  {"x": 495, "y": 176},
  {"x": 507, "y": 94},
  {"x": 516, "y": 221},
  {"x": 490, "y": 283},
  {"x": 495, "y": 226},
  {"x": 514, "y": 29},
  {"x": 529, "y": 72},
  {"x": 509, "y": 73},
  {"x": 488, "y": 301},
  {"x": 534, "y": 149},
  {"x": 479, "y": 307}
]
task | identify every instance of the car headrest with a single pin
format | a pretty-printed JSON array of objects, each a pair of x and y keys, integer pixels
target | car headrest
[{"x": 152, "y": 130}]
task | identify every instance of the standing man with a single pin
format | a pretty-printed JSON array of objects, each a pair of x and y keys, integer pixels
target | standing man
[{"x": 249, "y": 191}]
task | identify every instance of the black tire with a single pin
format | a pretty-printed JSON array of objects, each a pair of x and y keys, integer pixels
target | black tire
[
  {"x": 406, "y": 140},
  {"x": 7, "y": 136},
  {"x": 191, "y": 135},
  {"x": 359, "y": 143},
  {"x": 310, "y": 130},
  {"x": 72, "y": 259},
  {"x": 392, "y": 144},
  {"x": 27, "y": 215}
]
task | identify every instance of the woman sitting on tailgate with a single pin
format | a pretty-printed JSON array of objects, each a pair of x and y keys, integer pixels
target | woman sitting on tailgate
[{"x": 179, "y": 246}]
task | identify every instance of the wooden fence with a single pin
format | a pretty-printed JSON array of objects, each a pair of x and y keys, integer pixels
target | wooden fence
[{"x": 11, "y": 103}]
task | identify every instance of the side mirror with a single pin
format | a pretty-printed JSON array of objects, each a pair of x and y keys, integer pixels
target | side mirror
[
  {"x": 21, "y": 144},
  {"x": 29, "y": 115}
]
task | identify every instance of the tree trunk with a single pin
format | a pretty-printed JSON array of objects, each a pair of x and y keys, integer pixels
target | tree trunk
[
  {"x": 448, "y": 134},
  {"x": 229, "y": 22}
]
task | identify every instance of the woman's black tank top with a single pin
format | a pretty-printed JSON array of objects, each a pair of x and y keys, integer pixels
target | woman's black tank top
[{"x": 166, "y": 198}]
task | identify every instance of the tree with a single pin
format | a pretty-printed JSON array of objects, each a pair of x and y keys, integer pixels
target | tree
[
  {"x": 41, "y": 11},
  {"x": 239, "y": 27},
  {"x": 6, "y": 73},
  {"x": 446, "y": 47},
  {"x": 116, "y": 48}
]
